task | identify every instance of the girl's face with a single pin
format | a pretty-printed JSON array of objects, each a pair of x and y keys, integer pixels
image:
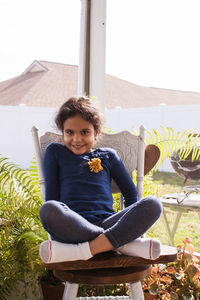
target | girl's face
[{"x": 79, "y": 135}]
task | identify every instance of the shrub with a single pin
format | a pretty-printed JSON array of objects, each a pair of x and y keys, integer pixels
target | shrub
[
  {"x": 21, "y": 231},
  {"x": 177, "y": 280}
]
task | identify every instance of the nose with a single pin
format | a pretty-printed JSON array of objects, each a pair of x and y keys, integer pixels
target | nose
[{"x": 77, "y": 137}]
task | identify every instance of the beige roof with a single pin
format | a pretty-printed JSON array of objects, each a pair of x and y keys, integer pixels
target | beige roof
[{"x": 49, "y": 84}]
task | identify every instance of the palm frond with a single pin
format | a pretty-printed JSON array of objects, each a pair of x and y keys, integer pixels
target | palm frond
[
  {"x": 6, "y": 288},
  {"x": 16, "y": 182},
  {"x": 22, "y": 233},
  {"x": 170, "y": 141}
]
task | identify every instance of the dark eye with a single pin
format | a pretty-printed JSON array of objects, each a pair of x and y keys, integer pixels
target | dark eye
[
  {"x": 84, "y": 131},
  {"x": 68, "y": 132}
]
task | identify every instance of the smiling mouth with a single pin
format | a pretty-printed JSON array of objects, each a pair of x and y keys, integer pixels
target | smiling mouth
[{"x": 77, "y": 146}]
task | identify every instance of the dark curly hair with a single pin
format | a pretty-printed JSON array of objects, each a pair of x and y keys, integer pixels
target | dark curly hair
[{"x": 80, "y": 106}]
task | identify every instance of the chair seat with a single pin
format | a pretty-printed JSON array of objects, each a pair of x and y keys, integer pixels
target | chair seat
[
  {"x": 112, "y": 260},
  {"x": 105, "y": 276},
  {"x": 110, "y": 268}
]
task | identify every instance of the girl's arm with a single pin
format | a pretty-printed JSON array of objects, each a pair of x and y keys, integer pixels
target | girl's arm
[
  {"x": 51, "y": 174},
  {"x": 124, "y": 181}
]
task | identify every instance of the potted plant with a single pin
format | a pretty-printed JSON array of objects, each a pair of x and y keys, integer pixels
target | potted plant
[
  {"x": 176, "y": 280},
  {"x": 52, "y": 287},
  {"x": 21, "y": 233}
]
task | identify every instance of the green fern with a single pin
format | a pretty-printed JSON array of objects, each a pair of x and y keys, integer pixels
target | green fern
[
  {"x": 22, "y": 232},
  {"x": 168, "y": 141}
]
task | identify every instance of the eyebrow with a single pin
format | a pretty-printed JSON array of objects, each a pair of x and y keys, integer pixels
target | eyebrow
[{"x": 81, "y": 129}]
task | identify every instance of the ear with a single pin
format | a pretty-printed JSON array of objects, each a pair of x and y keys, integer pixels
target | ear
[
  {"x": 152, "y": 155},
  {"x": 96, "y": 134}
]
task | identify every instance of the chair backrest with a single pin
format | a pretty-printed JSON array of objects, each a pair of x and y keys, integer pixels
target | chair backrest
[{"x": 129, "y": 147}]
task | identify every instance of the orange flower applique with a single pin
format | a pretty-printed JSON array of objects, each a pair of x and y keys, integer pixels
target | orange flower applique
[{"x": 95, "y": 165}]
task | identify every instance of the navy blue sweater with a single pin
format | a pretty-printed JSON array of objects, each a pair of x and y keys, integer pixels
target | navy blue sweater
[{"x": 68, "y": 179}]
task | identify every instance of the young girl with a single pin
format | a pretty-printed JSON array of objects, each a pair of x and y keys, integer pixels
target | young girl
[{"x": 78, "y": 211}]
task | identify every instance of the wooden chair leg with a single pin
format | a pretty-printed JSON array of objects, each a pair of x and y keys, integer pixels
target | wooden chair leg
[
  {"x": 136, "y": 291},
  {"x": 70, "y": 292}
]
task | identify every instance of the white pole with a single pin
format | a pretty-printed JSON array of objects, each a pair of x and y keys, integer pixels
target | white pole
[
  {"x": 84, "y": 49},
  {"x": 97, "y": 51}
]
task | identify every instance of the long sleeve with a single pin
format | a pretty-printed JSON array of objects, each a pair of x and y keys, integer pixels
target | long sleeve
[
  {"x": 51, "y": 173},
  {"x": 124, "y": 181},
  {"x": 68, "y": 179}
]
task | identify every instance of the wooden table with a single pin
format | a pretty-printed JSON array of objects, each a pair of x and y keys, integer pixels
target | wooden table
[{"x": 191, "y": 203}]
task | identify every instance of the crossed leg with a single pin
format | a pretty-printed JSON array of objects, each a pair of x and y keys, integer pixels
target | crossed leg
[{"x": 87, "y": 239}]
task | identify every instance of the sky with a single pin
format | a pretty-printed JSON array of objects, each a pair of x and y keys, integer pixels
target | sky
[{"x": 148, "y": 42}]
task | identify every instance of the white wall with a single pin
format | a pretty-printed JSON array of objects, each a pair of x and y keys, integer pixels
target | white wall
[{"x": 16, "y": 123}]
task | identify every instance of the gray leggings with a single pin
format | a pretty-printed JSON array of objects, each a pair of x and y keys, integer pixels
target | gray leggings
[{"x": 65, "y": 225}]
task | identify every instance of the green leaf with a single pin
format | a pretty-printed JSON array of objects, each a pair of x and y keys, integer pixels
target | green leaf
[{"x": 170, "y": 142}]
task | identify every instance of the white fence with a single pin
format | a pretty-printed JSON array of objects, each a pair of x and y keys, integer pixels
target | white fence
[
  {"x": 177, "y": 117},
  {"x": 16, "y": 123},
  {"x": 15, "y": 134}
]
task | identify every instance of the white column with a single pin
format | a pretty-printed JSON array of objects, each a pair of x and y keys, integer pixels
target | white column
[
  {"x": 84, "y": 49},
  {"x": 97, "y": 51},
  {"x": 91, "y": 76}
]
